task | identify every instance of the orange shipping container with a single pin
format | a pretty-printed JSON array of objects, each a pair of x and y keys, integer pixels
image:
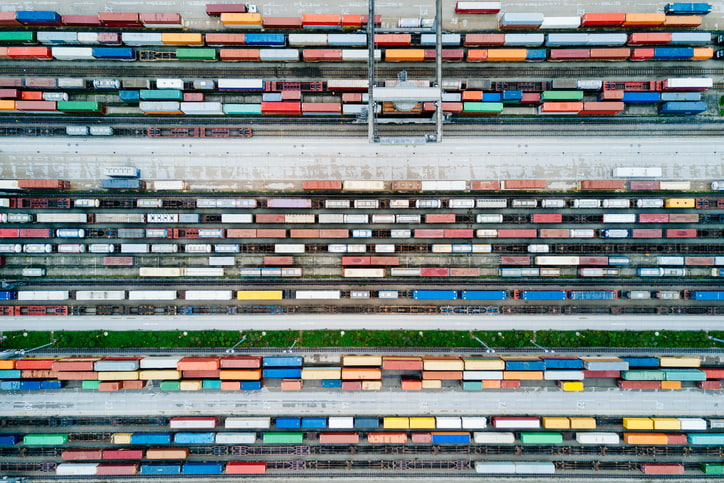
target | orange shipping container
[
  {"x": 703, "y": 53},
  {"x": 359, "y": 374},
  {"x": 77, "y": 376},
  {"x": 492, "y": 384},
  {"x": 321, "y": 19},
  {"x": 387, "y": 438},
  {"x": 671, "y": 385},
  {"x": 198, "y": 364},
  {"x": 464, "y": 272},
  {"x": 185, "y": 38},
  {"x": 251, "y": 19},
  {"x": 523, "y": 375},
  {"x": 282, "y": 22},
  {"x": 393, "y": 363},
  {"x": 291, "y": 385},
  {"x": 167, "y": 453},
  {"x": 270, "y": 233},
  {"x": 303, "y": 233},
  {"x": 602, "y": 107},
  {"x": 404, "y": 55},
  {"x": 239, "y": 54},
  {"x": 240, "y": 374},
  {"x": 109, "y": 386},
  {"x": 507, "y": 55},
  {"x": 407, "y": 185},
  {"x": 685, "y": 21},
  {"x": 443, "y": 375},
  {"x": 475, "y": 40},
  {"x": 477, "y": 55},
  {"x": 617, "y": 53},
  {"x": 334, "y": 233},
  {"x": 230, "y": 385},
  {"x": 7, "y": 364},
  {"x": 472, "y": 96},
  {"x": 134, "y": 384},
  {"x": 394, "y": 40},
  {"x": 440, "y": 218},
  {"x": 485, "y": 185},
  {"x": 561, "y": 107},
  {"x": 411, "y": 384},
  {"x": 225, "y": 39},
  {"x": 29, "y": 53},
  {"x": 524, "y": 184},
  {"x": 645, "y": 438},
  {"x": 649, "y": 38},
  {"x": 644, "y": 19},
  {"x": 279, "y": 260},
  {"x": 38, "y": 374},
  {"x": 241, "y": 233}
]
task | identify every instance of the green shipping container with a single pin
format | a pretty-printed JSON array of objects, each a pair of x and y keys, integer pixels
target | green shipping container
[
  {"x": 45, "y": 439},
  {"x": 482, "y": 107},
  {"x": 92, "y": 385},
  {"x": 561, "y": 96},
  {"x": 706, "y": 439},
  {"x": 211, "y": 384},
  {"x": 242, "y": 109},
  {"x": 17, "y": 37},
  {"x": 712, "y": 469},
  {"x": 541, "y": 438},
  {"x": 472, "y": 385},
  {"x": 283, "y": 438},
  {"x": 196, "y": 54},
  {"x": 79, "y": 106},
  {"x": 170, "y": 385},
  {"x": 162, "y": 95},
  {"x": 684, "y": 375},
  {"x": 643, "y": 375}
]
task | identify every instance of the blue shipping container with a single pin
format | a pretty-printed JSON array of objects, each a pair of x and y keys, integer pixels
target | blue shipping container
[
  {"x": 272, "y": 40},
  {"x": 434, "y": 294},
  {"x": 129, "y": 96},
  {"x": 562, "y": 363},
  {"x": 160, "y": 469},
  {"x": 451, "y": 438},
  {"x": 121, "y": 184},
  {"x": 525, "y": 365},
  {"x": 250, "y": 385},
  {"x": 543, "y": 295},
  {"x": 151, "y": 438},
  {"x": 687, "y": 8},
  {"x": 10, "y": 385},
  {"x": 681, "y": 96},
  {"x": 314, "y": 423},
  {"x": 194, "y": 438},
  {"x": 8, "y": 295},
  {"x": 491, "y": 97},
  {"x": 9, "y": 439},
  {"x": 641, "y": 97},
  {"x": 51, "y": 384},
  {"x": 536, "y": 54},
  {"x": 30, "y": 385},
  {"x": 484, "y": 295},
  {"x": 283, "y": 373},
  {"x": 707, "y": 295},
  {"x": 342, "y": 40},
  {"x": 642, "y": 361},
  {"x": 332, "y": 383},
  {"x": 682, "y": 107},
  {"x": 592, "y": 294},
  {"x": 366, "y": 423},
  {"x": 114, "y": 53},
  {"x": 690, "y": 38},
  {"x": 512, "y": 96},
  {"x": 203, "y": 468},
  {"x": 282, "y": 361},
  {"x": 37, "y": 16},
  {"x": 288, "y": 423},
  {"x": 673, "y": 53}
]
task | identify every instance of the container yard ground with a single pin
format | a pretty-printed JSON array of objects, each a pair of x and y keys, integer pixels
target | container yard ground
[
  {"x": 476, "y": 479},
  {"x": 269, "y": 164}
]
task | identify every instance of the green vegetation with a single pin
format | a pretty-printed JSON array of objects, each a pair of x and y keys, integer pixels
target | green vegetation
[{"x": 361, "y": 338}]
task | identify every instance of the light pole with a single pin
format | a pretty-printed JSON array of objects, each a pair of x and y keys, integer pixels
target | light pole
[
  {"x": 488, "y": 349},
  {"x": 22, "y": 352},
  {"x": 714, "y": 339},
  {"x": 541, "y": 347},
  {"x": 231, "y": 350},
  {"x": 291, "y": 347}
]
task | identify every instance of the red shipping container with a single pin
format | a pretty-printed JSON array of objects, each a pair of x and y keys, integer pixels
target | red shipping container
[
  {"x": 321, "y": 55},
  {"x": 134, "y": 385},
  {"x": 646, "y": 233},
  {"x": 31, "y": 96},
  {"x": 335, "y": 233},
  {"x": 216, "y": 9},
  {"x": 611, "y": 53},
  {"x": 464, "y": 272},
  {"x": 555, "y": 233},
  {"x": 524, "y": 184},
  {"x": 281, "y": 22},
  {"x": 355, "y": 260},
  {"x": 612, "y": 95},
  {"x": 119, "y": 19},
  {"x": 485, "y": 185},
  {"x": 117, "y": 469},
  {"x": 122, "y": 454},
  {"x": 77, "y": 376},
  {"x": 569, "y": 54},
  {"x": 712, "y": 385},
  {"x": 351, "y": 97},
  {"x": 201, "y": 374},
  {"x": 391, "y": 363},
  {"x": 289, "y": 95},
  {"x": 679, "y": 233},
  {"x": 649, "y": 38},
  {"x": 602, "y": 19},
  {"x": 530, "y": 98},
  {"x": 338, "y": 438},
  {"x": 225, "y": 39},
  {"x": 271, "y": 260},
  {"x": 510, "y": 384},
  {"x": 422, "y": 438},
  {"x": 450, "y": 55},
  {"x": 269, "y": 218},
  {"x": 514, "y": 260},
  {"x": 561, "y": 107},
  {"x": 11, "y": 82},
  {"x": 29, "y": 53},
  {"x": 643, "y": 185},
  {"x": 52, "y": 184},
  {"x": 434, "y": 272},
  {"x": 241, "y": 233},
  {"x": 193, "y": 97},
  {"x": 118, "y": 261},
  {"x": 653, "y": 218},
  {"x": 642, "y": 54},
  {"x": 699, "y": 261},
  {"x": 109, "y": 38},
  {"x": 160, "y": 19},
  {"x": 198, "y": 364},
  {"x": 387, "y": 438},
  {"x": 74, "y": 365},
  {"x": 454, "y": 107},
  {"x": 649, "y": 385},
  {"x": 547, "y": 218},
  {"x": 662, "y": 468},
  {"x": 352, "y": 21},
  {"x": 80, "y": 20},
  {"x": 483, "y": 40},
  {"x": 593, "y": 260},
  {"x": 271, "y": 232},
  {"x": 34, "y": 233},
  {"x": 81, "y": 454},
  {"x": 440, "y": 218},
  {"x": 442, "y": 375},
  {"x": 109, "y": 386},
  {"x": 303, "y": 233},
  {"x": 351, "y": 385},
  {"x": 34, "y": 363},
  {"x": 319, "y": 107},
  {"x": 684, "y": 218},
  {"x": 393, "y": 39},
  {"x": 245, "y": 468},
  {"x": 603, "y": 184},
  {"x": 524, "y": 233},
  {"x": 284, "y": 108},
  {"x": 711, "y": 373},
  {"x": 429, "y": 233},
  {"x": 601, "y": 374},
  {"x": 459, "y": 233},
  {"x": 46, "y": 106},
  {"x": 676, "y": 439},
  {"x": 239, "y": 54},
  {"x": 7, "y": 19},
  {"x": 602, "y": 108},
  {"x": 240, "y": 362},
  {"x": 326, "y": 185},
  {"x": 321, "y": 19}
]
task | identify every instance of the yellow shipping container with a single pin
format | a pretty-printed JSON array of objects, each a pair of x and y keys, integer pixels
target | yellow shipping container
[
  {"x": 118, "y": 376},
  {"x": 583, "y": 423},
  {"x": 523, "y": 375},
  {"x": 644, "y": 19},
  {"x": 190, "y": 385},
  {"x": 367, "y": 361},
  {"x": 240, "y": 374},
  {"x": 241, "y": 18},
  {"x": 361, "y": 374},
  {"x": 638, "y": 423},
  {"x": 321, "y": 373},
  {"x": 665, "y": 424},
  {"x": 396, "y": 423},
  {"x": 669, "y": 361},
  {"x": 572, "y": 386},
  {"x": 507, "y": 54},
  {"x": 7, "y": 105},
  {"x": 671, "y": 385},
  {"x": 159, "y": 375},
  {"x": 443, "y": 364},
  {"x": 422, "y": 423},
  {"x": 182, "y": 39},
  {"x": 121, "y": 438},
  {"x": 432, "y": 384},
  {"x": 703, "y": 53},
  {"x": 556, "y": 423},
  {"x": 259, "y": 295},
  {"x": 680, "y": 203},
  {"x": 7, "y": 364},
  {"x": 484, "y": 364},
  {"x": 371, "y": 385}
]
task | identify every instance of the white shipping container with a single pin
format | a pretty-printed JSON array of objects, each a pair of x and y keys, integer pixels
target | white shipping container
[
  {"x": 71, "y": 248},
  {"x": 72, "y": 53},
  {"x": 164, "y": 248},
  {"x": 101, "y": 248},
  {"x": 562, "y": 375},
  {"x": 311, "y": 40},
  {"x": 208, "y": 295},
  {"x": 169, "y": 185},
  {"x": 400, "y": 233},
  {"x": 493, "y": 438},
  {"x": 586, "y": 203},
  {"x": 583, "y": 233},
  {"x": 291, "y": 272},
  {"x": 223, "y": 261},
  {"x": 560, "y": 23},
  {"x": 366, "y": 204},
  {"x": 619, "y": 218},
  {"x": 227, "y": 248},
  {"x": 535, "y": 468},
  {"x": 448, "y": 423},
  {"x": 444, "y": 185},
  {"x": 383, "y": 218},
  {"x": 202, "y": 108},
  {"x": 408, "y": 218},
  {"x": 356, "y": 218},
  {"x": 482, "y": 375},
  {"x": 675, "y": 185},
  {"x": 204, "y": 272},
  {"x": 359, "y": 55},
  {"x": 235, "y": 438},
  {"x": 162, "y": 218},
  {"x": 141, "y": 38},
  {"x": 474, "y": 422},
  {"x": 317, "y": 294},
  {"x": 247, "y": 423},
  {"x": 489, "y": 218},
  {"x": 159, "y": 362},
  {"x": 240, "y": 84},
  {"x": 134, "y": 248},
  {"x": 340, "y": 422},
  {"x": 170, "y": 84},
  {"x": 43, "y": 295},
  {"x": 404, "y": 272},
  {"x": 428, "y": 204},
  {"x": 553, "y": 203},
  {"x": 517, "y": 423},
  {"x": 89, "y": 37},
  {"x": 289, "y": 248},
  {"x": 100, "y": 295},
  {"x": 197, "y": 248},
  {"x": 76, "y": 469},
  {"x": 693, "y": 424},
  {"x": 616, "y": 203},
  {"x": 639, "y": 295},
  {"x": 461, "y": 203},
  {"x": 279, "y": 55},
  {"x": 387, "y": 294},
  {"x": 330, "y": 218},
  {"x": 61, "y": 218},
  {"x": 336, "y": 204},
  {"x": 441, "y": 248},
  {"x": 491, "y": 203},
  {"x": 385, "y": 248},
  {"x": 637, "y": 172},
  {"x": 397, "y": 204},
  {"x": 598, "y": 438},
  {"x": 358, "y": 185},
  {"x": 670, "y": 261}
]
